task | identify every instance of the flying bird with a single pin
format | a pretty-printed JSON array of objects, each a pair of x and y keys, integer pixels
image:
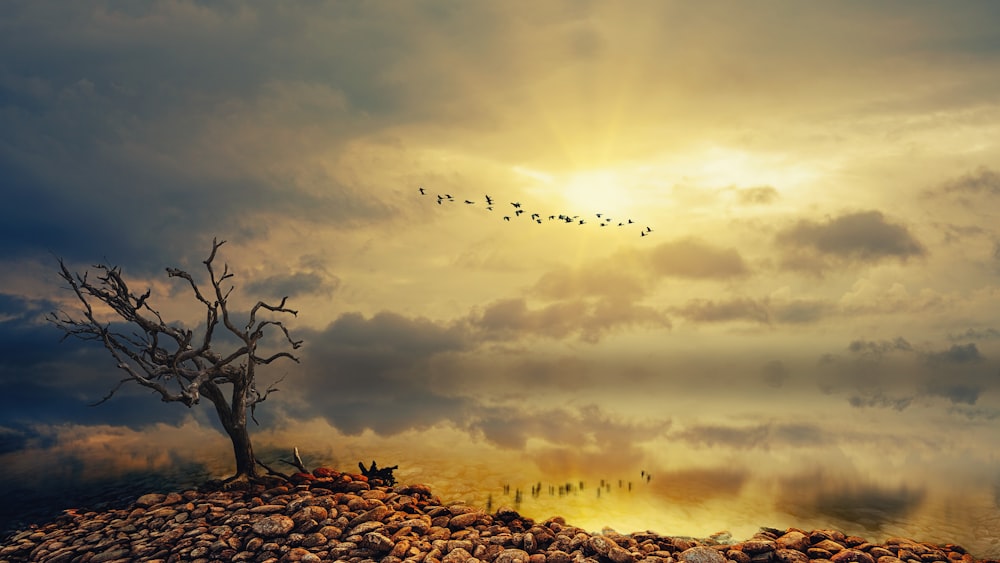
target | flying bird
[{"x": 603, "y": 219}]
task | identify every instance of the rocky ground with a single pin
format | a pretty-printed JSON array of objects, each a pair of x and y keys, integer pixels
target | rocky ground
[{"x": 332, "y": 516}]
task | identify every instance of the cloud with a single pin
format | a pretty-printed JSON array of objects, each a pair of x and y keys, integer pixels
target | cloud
[
  {"x": 709, "y": 311},
  {"x": 593, "y": 281},
  {"x": 694, "y": 258},
  {"x": 761, "y": 311},
  {"x": 509, "y": 319},
  {"x": 988, "y": 333},
  {"x": 982, "y": 180},
  {"x": 754, "y": 437},
  {"x": 292, "y": 285},
  {"x": 760, "y": 195},
  {"x": 378, "y": 373},
  {"x": 956, "y": 354},
  {"x": 895, "y": 373},
  {"x": 863, "y": 236},
  {"x": 774, "y": 373}
]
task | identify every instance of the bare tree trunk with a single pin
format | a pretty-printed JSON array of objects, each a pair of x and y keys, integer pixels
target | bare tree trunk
[{"x": 234, "y": 422}]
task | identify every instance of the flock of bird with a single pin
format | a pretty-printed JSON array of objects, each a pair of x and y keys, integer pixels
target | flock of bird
[{"x": 517, "y": 211}]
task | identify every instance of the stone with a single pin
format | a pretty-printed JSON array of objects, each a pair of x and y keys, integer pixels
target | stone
[
  {"x": 377, "y": 542},
  {"x": 513, "y": 556},
  {"x": 457, "y": 555},
  {"x": 464, "y": 519},
  {"x": 701, "y": 554},
  {"x": 620, "y": 555},
  {"x": 783, "y": 555},
  {"x": 754, "y": 547},
  {"x": 851, "y": 556},
  {"x": 793, "y": 540},
  {"x": 601, "y": 545},
  {"x": 150, "y": 499},
  {"x": 273, "y": 526},
  {"x": 828, "y": 545}
]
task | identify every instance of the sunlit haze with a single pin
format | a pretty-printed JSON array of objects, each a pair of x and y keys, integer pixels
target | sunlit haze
[{"x": 738, "y": 260}]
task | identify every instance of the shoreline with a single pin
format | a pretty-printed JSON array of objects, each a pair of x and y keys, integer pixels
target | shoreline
[{"x": 334, "y": 516}]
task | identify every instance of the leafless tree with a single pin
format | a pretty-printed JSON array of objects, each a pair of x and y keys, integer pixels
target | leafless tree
[{"x": 172, "y": 361}]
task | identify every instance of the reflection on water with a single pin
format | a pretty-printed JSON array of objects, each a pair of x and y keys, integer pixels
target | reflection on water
[{"x": 86, "y": 470}]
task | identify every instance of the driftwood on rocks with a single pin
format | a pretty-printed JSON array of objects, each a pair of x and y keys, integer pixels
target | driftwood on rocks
[{"x": 385, "y": 474}]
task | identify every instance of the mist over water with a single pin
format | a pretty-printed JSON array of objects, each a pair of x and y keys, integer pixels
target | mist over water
[{"x": 37, "y": 484}]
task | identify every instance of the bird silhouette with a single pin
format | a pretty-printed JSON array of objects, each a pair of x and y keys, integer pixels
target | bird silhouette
[{"x": 603, "y": 219}]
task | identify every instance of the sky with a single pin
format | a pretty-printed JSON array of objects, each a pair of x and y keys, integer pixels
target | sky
[{"x": 786, "y": 311}]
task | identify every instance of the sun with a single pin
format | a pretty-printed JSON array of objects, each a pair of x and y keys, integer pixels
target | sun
[{"x": 608, "y": 191}]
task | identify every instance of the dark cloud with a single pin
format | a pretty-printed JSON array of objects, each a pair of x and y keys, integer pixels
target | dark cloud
[
  {"x": 509, "y": 319},
  {"x": 760, "y": 195},
  {"x": 292, "y": 285},
  {"x": 982, "y": 180},
  {"x": 956, "y": 354},
  {"x": 799, "y": 311},
  {"x": 750, "y": 437},
  {"x": 895, "y": 373},
  {"x": 880, "y": 400},
  {"x": 988, "y": 333},
  {"x": 759, "y": 436},
  {"x": 737, "y": 309},
  {"x": 864, "y": 236},
  {"x": 584, "y": 426},
  {"x": 693, "y": 258},
  {"x": 379, "y": 373},
  {"x": 762, "y": 311},
  {"x": 877, "y": 348},
  {"x": 774, "y": 373}
]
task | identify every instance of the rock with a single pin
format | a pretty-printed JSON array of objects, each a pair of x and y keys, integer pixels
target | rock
[
  {"x": 851, "y": 556},
  {"x": 273, "y": 526},
  {"x": 377, "y": 542},
  {"x": 150, "y": 499},
  {"x": 701, "y": 554},
  {"x": 601, "y": 545},
  {"x": 464, "y": 519},
  {"x": 457, "y": 555},
  {"x": 793, "y": 540},
  {"x": 790, "y": 556},
  {"x": 753, "y": 547},
  {"x": 512, "y": 556},
  {"x": 620, "y": 555}
]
